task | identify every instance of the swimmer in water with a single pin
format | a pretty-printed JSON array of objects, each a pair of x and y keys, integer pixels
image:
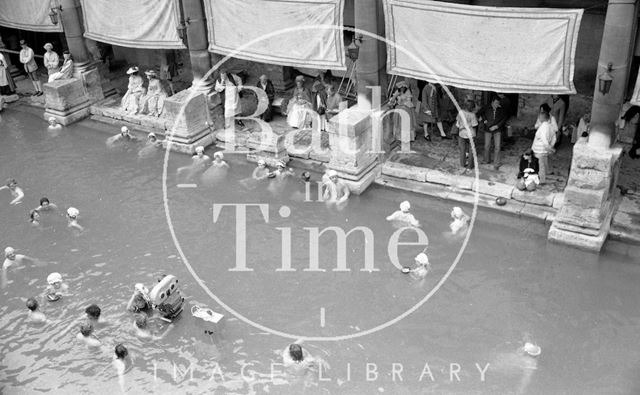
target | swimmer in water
[
  {"x": 35, "y": 315},
  {"x": 93, "y": 314},
  {"x": 142, "y": 330},
  {"x": 140, "y": 300},
  {"x": 53, "y": 124},
  {"x": 46, "y": 205},
  {"x": 335, "y": 190},
  {"x": 122, "y": 137},
  {"x": 151, "y": 145},
  {"x": 11, "y": 258},
  {"x": 56, "y": 288},
  {"x": 296, "y": 360},
  {"x": 120, "y": 362},
  {"x": 199, "y": 163},
  {"x": 422, "y": 266},
  {"x": 460, "y": 221},
  {"x": 218, "y": 160},
  {"x": 16, "y": 191},
  {"x": 282, "y": 172},
  {"x": 403, "y": 215},
  {"x": 261, "y": 171},
  {"x": 72, "y": 217},
  {"x": 34, "y": 218},
  {"x": 87, "y": 337}
]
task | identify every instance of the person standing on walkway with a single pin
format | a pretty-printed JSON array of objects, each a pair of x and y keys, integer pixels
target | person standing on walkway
[
  {"x": 542, "y": 145},
  {"x": 231, "y": 85},
  {"x": 27, "y": 58},
  {"x": 494, "y": 118},
  {"x": 6, "y": 82},
  {"x": 559, "y": 112},
  {"x": 431, "y": 111},
  {"x": 466, "y": 122},
  {"x": 51, "y": 59}
]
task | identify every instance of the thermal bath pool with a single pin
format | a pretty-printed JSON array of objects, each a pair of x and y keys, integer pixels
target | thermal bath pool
[{"x": 509, "y": 286}]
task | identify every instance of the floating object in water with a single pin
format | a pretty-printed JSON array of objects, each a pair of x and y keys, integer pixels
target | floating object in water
[
  {"x": 53, "y": 297},
  {"x": 500, "y": 201},
  {"x": 406, "y": 269},
  {"x": 532, "y": 349},
  {"x": 206, "y": 314},
  {"x": 166, "y": 297}
]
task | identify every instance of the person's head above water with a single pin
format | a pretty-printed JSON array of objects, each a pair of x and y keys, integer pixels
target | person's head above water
[
  {"x": 422, "y": 259},
  {"x": 73, "y": 212},
  {"x": 124, "y": 131},
  {"x": 405, "y": 206},
  {"x": 12, "y": 183},
  {"x": 333, "y": 175},
  {"x": 305, "y": 176},
  {"x": 218, "y": 155},
  {"x": 9, "y": 253},
  {"x": 457, "y": 213},
  {"x": 34, "y": 215},
  {"x": 44, "y": 201},
  {"x": 152, "y": 137},
  {"x": 199, "y": 150},
  {"x": 121, "y": 351},
  {"x": 93, "y": 311},
  {"x": 32, "y": 304},
  {"x": 86, "y": 329},
  {"x": 52, "y": 121},
  {"x": 141, "y": 321},
  {"x": 54, "y": 278},
  {"x": 295, "y": 352},
  {"x": 262, "y": 163}
]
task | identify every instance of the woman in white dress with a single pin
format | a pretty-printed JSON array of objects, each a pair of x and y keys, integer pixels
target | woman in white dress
[
  {"x": 299, "y": 105},
  {"x": 131, "y": 102},
  {"x": 66, "y": 71},
  {"x": 51, "y": 59},
  {"x": 154, "y": 100}
]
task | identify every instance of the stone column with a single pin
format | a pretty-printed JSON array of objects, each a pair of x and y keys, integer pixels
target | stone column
[
  {"x": 68, "y": 100},
  {"x": 589, "y": 198},
  {"x": 368, "y": 63},
  {"x": 195, "y": 21}
]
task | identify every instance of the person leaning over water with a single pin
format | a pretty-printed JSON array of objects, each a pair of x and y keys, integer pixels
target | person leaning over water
[
  {"x": 16, "y": 191},
  {"x": 140, "y": 300}
]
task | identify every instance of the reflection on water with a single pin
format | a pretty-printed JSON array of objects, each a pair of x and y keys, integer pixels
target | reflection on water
[{"x": 581, "y": 308}]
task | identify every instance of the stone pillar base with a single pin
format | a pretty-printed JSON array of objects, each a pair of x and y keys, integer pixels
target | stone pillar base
[
  {"x": 589, "y": 198},
  {"x": 352, "y": 156},
  {"x": 189, "y": 127},
  {"x": 66, "y": 101}
]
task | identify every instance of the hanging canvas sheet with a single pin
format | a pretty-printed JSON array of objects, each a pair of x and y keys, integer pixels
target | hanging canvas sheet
[
  {"x": 30, "y": 15},
  {"x": 150, "y": 24},
  {"x": 299, "y": 33},
  {"x": 516, "y": 50}
]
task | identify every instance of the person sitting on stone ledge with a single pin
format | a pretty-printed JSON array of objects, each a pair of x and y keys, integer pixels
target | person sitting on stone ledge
[
  {"x": 153, "y": 101},
  {"x": 528, "y": 161},
  {"x": 299, "y": 106},
  {"x": 66, "y": 72},
  {"x": 529, "y": 181},
  {"x": 131, "y": 101}
]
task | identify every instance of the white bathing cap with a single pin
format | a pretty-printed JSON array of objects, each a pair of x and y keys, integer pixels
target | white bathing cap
[
  {"x": 532, "y": 349},
  {"x": 51, "y": 119},
  {"x": 9, "y": 251},
  {"x": 262, "y": 162},
  {"x": 124, "y": 129},
  {"x": 457, "y": 212},
  {"x": 332, "y": 173},
  {"x": 422, "y": 258},
  {"x": 405, "y": 206},
  {"x": 218, "y": 155},
  {"x": 54, "y": 277},
  {"x": 73, "y": 212},
  {"x": 199, "y": 148}
]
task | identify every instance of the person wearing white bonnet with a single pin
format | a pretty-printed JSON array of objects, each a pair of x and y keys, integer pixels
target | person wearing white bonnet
[
  {"x": 53, "y": 123},
  {"x": 261, "y": 171},
  {"x": 218, "y": 160},
  {"x": 51, "y": 59},
  {"x": 422, "y": 266},
  {"x": 140, "y": 300},
  {"x": 199, "y": 162},
  {"x": 460, "y": 220},
  {"x": 10, "y": 257},
  {"x": 56, "y": 287},
  {"x": 335, "y": 190},
  {"x": 403, "y": 217},
  {"x": 72, "y": 217},
  {"x": 131, "y": 101},
  {"x": 121, "y": 138}
]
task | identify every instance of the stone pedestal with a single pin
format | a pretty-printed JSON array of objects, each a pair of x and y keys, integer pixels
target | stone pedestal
[
  {"x": 352, "y": 154},
  {"x": 66, "y": 100},
  {"x": 189, "y": 127},
  {"x": 585, "y": 217},
  {"x": 270, "y": 147}
]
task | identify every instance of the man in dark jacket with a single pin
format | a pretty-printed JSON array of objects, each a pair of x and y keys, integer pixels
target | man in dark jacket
[
  {"x": 265, "y": 84},
  {"x": 493, "y": 119}
]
